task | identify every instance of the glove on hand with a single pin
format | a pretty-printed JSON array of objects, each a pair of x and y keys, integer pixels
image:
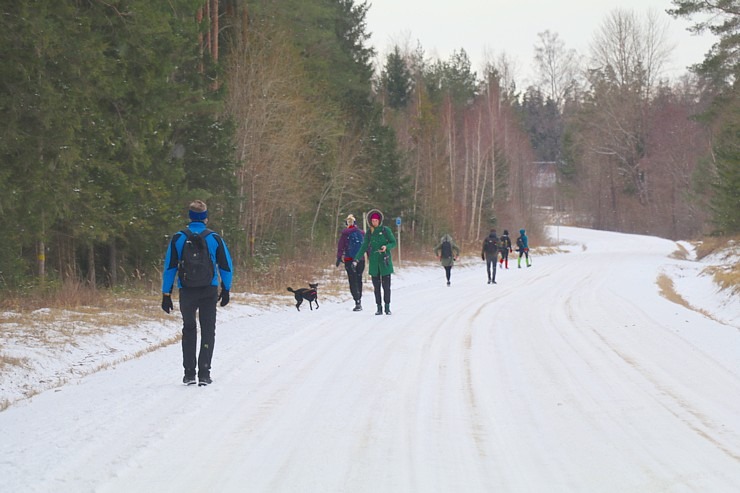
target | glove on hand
[
  {"x": 167, "y": 303},
  {"x": 339, "y": 261},
  {"x": 354, "y": 265},
  {"x": 224, "y": 297},
  {"x": 482, "y": 257},
  {"x": 526, "y": 249}
]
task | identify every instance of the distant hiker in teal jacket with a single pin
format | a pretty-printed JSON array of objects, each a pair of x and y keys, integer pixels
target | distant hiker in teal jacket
[
  {"x": 522, "y": 246},
  {"x": 378, "y": 243}
]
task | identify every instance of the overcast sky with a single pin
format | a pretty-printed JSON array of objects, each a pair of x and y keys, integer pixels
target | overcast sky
[{"x": 491, "y": 27}]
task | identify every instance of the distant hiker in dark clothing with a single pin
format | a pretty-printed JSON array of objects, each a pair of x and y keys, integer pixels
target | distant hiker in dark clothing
[
  {"x": 522, "y": 246},
  {"x": 349, "y": 244},
  {"x": 447, "y": 252},
  {"x": 378, "y": 243},
  {"x": 197, "y": 257},
  {"x": 505, "y": 249},
  {"x": 489, "y": 253}
]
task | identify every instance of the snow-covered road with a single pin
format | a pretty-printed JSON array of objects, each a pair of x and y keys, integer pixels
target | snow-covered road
[{"x": 572, "y": 376}]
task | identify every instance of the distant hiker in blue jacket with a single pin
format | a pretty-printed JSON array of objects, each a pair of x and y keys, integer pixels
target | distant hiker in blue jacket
[
  {"x": 522, "y": 246},
  {"x": 347, "y": 247},
  {"x": 197, "y": 257}
]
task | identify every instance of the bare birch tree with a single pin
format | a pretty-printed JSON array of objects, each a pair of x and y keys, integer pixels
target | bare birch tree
[
  {"x": 278, "y": 137},
  {"x": 558, "y": 70},
  {"x": 627, "y": 56}
]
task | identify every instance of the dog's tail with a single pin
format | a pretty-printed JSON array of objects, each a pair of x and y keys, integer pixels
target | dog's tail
[{"x": 291, "y": 290}]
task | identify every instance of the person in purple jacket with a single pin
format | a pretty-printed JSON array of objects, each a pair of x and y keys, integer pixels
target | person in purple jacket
[{"x": 347, "y": 247}]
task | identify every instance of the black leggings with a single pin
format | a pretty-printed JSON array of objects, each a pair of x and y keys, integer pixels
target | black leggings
[
  {"x": 448, "y": 271},
  {"x": 385, "y": 282}
]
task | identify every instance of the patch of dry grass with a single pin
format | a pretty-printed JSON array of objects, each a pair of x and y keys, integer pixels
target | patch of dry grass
[
  {"x": 668, "y": 291},
  {"x": 711, "y": 244},
  {"x": 727, "y": 277},
  {"x": 6, "y": 361},
  {"x": 681, "y": 253}
]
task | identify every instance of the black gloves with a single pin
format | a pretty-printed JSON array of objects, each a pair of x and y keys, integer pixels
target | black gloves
[
  {"x": 167, "y": 303},
  {"x": 224, "y": 296},
  {"x": 339, "y": 261}
]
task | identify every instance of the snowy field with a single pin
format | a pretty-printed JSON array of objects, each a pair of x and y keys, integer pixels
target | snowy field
[{"x": 572, "y": 376}]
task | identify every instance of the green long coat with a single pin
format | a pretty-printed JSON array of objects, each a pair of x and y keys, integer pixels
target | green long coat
[
  {"x": 447, "y": 262},
  {"x": 374, "y": 239}
]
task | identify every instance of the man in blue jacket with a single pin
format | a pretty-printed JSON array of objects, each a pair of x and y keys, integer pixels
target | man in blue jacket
[
  {"x": 522, "y": 245},
  {"x": 349, "y": 243},
  {"x": 197, "y": 257}
]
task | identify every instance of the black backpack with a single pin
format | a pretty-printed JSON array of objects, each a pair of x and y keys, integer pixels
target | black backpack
[
  {"x": 446, "y": 249},
  {"x": 490, "y": 244},
  {"x": 505, "y": 242},
  {"x": 520, "y": 242},
  {"x": 195, "y": 267}
]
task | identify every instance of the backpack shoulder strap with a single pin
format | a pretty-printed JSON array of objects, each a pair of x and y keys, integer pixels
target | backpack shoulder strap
[{"x": 190, "y": 234}]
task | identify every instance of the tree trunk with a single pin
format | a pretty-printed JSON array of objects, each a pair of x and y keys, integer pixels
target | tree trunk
[
  {"x": 113, "y": 263},
  {"x": 41, "y": 259},
  {"x": 91, "y": 265}
]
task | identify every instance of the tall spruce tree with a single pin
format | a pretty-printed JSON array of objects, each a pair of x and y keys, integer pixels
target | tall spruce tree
[
  {"x": 396, "y": 80},
  {"x": 721, "y": 66},
  {"x": 89, "y": 105},
  {"x": 725, "y": 203}
]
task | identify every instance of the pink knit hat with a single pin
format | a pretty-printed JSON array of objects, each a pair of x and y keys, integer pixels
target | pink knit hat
[{"x": 375, "y": 215}]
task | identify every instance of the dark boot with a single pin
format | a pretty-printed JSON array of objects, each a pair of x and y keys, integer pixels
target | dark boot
[
  {"x": 387, "y": 308},
  {"x": 380, "y": 310},
  {"x": 358, "y": 306}
]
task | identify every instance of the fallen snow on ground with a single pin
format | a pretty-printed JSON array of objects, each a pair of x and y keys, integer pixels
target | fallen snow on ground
[{"x": 573, "y": 375}]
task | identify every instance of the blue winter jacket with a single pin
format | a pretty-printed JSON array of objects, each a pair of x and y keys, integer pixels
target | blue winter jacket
[
  {"x": 217, "y": 249},
  {"x": 525, "y": 240}
]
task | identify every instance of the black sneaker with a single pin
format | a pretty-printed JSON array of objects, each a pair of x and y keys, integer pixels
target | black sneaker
[
  {"x": 188, "y": 380},
  {"x": 203, "y": 381}
]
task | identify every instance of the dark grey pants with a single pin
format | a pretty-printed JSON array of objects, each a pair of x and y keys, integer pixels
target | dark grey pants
[
  {"x": 354, "y": 276},
  {"x": 202, "y": 301},
  {"x": 491, "y": 266}
]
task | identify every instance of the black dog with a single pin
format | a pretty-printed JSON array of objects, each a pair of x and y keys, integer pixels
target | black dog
[{"x": 309, "y": 294}]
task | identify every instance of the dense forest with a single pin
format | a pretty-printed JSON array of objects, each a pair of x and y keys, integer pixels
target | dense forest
[{"x": 116, "y": 114}]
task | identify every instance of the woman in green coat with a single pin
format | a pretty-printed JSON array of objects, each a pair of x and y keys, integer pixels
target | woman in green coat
[{"x": 378, "y": 243}]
